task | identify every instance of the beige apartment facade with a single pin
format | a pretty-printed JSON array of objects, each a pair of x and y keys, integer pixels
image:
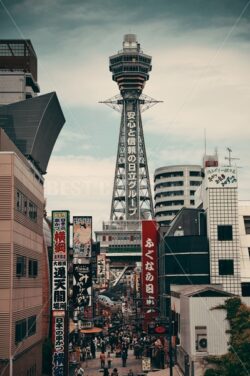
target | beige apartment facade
[{"x": 21, "y": 258}]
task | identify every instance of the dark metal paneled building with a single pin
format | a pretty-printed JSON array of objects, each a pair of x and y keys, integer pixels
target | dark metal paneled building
[
  {"x": 183, "y": 254},
  {"x": 34, "y": 125}
]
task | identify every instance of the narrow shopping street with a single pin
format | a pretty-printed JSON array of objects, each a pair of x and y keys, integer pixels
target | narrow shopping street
[{"x": 92, "y": 367}]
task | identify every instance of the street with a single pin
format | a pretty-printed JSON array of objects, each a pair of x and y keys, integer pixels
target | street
[{"x": 92, "y": 367}]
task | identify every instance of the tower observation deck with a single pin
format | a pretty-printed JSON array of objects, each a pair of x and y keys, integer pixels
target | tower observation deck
[{"x": 131, "y": 199}]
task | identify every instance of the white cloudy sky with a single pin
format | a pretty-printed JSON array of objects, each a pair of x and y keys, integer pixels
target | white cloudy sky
[{"x": 201, "y": 55}]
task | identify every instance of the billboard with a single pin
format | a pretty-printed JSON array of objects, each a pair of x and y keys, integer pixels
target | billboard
[
  {"x": 221, "y": 177},
  {"x": 82, "y": 236},
  {"x": 149, "y": 267},
  {"x": 58, "y": 355},
  {"x": 101, "y": 270},
  {"x": 131, "y": 137},
  {"x": 82, "y": 283},
  {"x": 60, "y": 234},
  {"x": 59, "y": 285},
  {"x": 60, "y": 243}
]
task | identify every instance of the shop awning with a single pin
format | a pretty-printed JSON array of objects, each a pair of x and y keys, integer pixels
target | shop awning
[{"x": 92, "y": 330}]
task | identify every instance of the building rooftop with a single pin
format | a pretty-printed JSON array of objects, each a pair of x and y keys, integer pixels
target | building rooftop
[{"x": 34, "y": 125}]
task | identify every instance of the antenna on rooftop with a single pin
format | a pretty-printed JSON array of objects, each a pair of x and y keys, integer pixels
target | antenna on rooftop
[{"x": 230, "y": 158}]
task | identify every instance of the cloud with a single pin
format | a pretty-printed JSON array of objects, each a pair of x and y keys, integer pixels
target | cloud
[{"x": 82, "y": 185}]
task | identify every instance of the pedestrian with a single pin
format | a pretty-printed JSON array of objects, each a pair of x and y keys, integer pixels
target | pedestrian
[
  {"x": 105, "y": 371},
  {"x": 79, "y": 371},
  {"x": 88, "y": 352},
  {"x": 102, "y": 359},
  {"x": 124, "y": 356},
  {"x": 130, "y": 373},
  {"x": 109, "y": 360},
  {"x": 93, "y": 349},
  {"x": 115, "y": 372}
]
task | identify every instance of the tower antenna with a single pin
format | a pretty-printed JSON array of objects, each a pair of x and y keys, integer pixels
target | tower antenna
[
  {"x": 230, "y": 158},
  {"x": 130, "y": 67}
]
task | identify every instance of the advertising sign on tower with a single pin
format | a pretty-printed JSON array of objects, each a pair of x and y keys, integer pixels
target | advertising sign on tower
[{"x": 149, "y": 267}]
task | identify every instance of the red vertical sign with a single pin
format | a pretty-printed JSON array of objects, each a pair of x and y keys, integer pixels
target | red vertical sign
[{"x": 149, "y": 268}]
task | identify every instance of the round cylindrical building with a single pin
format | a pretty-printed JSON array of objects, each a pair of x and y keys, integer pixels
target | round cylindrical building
[{"x": 174, "y": 188}]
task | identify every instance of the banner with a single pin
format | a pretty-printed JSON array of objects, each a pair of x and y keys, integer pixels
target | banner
[
  {"x": 149, "y": 268},
  {"x": 60, "y": 243},
  {"x": 221, "y": 177},
  {"x": 59, "y": 285},
  {"x": 60, "y": 236},
  {"x": 101, "y": 270},
  {"x": 58, "y": 356},
  {"x": 82, "y": 236},
  {"x": 82, "y": 283}
]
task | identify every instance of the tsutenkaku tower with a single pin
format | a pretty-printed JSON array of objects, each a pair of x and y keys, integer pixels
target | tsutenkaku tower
[{"x": 131, "y": 198}]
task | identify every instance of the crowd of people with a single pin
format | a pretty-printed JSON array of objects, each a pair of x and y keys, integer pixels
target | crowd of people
[{"x": 117, "y": 345}]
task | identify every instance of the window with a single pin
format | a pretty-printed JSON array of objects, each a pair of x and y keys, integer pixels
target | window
[
  {"x": 249, "y": 252},
  {"x": 20, "y": 266},
  {"x": 110, "y": 238},
  {"x": 226, "y": 267},
  {"x": 225, "y": 232},
  {"x": 31, "y": 326},
  {"x": 103, "y": 238},
  {"x": 19, "y": 198},
  {"x": 32, "y": 211},
  {"x": 33, "y": 268},
  {"x": 191, "y": 202},
  {"x": 24, "y": 206},
  {"x": 195, "y": 183},
  {"x": 247, "y": 224},
  {"x": 131, "y": 238},
  {"x": 192, "y": 193},
  {"x": 194, "y": 173},
  {"x": 21, "y": 330}
]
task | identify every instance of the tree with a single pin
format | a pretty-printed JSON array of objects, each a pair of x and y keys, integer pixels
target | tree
[{"x": 237, "y": 360}]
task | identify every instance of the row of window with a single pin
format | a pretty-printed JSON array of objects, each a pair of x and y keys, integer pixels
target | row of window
[
  {"x": 169, "y": 203},
  {"x": 173, "y": 193},
  {"x": 180, "y": 183},
  {"x": 167, "y": 212},
  {"x": 174, "y": 174},
  {"x": 128, "y": 68},
  {"x": 21, "y": 267},
  {"x": 25, "y": 328},
  {"x": 26, "y": 206},
  {"x": 131, "y": 58}
]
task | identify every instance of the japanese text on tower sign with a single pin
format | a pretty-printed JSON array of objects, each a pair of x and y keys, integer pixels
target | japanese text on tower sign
[
  {"x": 150, "y": 267},
  {"x": 131, "y": 163}
]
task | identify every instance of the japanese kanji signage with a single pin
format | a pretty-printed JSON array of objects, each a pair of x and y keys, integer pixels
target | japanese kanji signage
[
  {"x": 149, "y": 267},
  {"x": 132, "y": 164},
  {"x": 221, "y": 177},
  {"x": 101, "y": 270},
  {"x": 58, "y": 356},
  {"x": 60, "y": 220},
  {"x": 60, "y": 242},
  {"x": 59, "y": 285},
  {"x": 82, "y": 282},
  {"x": 82, "y": 236}
]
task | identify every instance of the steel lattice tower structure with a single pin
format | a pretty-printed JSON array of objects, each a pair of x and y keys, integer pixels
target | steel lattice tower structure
[{"x": 131, "y": 198}]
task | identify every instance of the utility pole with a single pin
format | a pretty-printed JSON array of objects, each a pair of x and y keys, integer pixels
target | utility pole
[{"x": 171, "y": 349}]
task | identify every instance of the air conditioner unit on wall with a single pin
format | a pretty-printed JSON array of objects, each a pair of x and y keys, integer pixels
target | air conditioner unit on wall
[{"x": 201, "y": 342}]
